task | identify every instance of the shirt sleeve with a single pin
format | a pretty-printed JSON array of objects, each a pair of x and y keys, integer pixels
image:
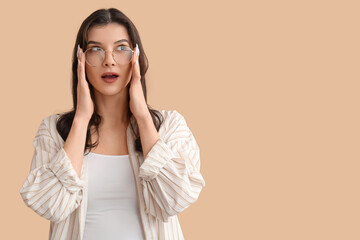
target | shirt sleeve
[
  {"x": 171, "y": 172},
  {"x": 52, "y": 189}
]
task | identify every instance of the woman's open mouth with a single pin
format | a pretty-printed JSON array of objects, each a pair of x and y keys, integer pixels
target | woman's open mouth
[{"x": 110, "y": 77}]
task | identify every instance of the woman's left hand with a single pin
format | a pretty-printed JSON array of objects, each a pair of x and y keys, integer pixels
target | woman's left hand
[{"x": 137, "y": 102}]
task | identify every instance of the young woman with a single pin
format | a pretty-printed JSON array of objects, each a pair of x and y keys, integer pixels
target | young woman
[{"x": 112, "y": 168}]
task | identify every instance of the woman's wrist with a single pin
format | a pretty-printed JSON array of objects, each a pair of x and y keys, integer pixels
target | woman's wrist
[{"x": 81, "y": 120}]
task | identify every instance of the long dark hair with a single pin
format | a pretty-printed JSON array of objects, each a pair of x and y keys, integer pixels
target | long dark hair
[{"x": 103, "y": 17}]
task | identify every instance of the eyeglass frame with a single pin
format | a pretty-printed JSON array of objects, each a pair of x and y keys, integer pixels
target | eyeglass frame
[{"x": 112, "y": 54}]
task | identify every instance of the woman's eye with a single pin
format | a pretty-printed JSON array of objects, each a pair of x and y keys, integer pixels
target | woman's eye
[
  {"x": 94, "y": 48},
  {"x": 122, "y": 48}
]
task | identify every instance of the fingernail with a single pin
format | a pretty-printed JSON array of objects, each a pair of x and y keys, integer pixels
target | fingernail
[
  {"x": 137, "y": 50},
  {"x": 77, "y": 54}
]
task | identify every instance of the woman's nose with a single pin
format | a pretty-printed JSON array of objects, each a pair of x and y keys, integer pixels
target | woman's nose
[{"x": 109, "y": 59}]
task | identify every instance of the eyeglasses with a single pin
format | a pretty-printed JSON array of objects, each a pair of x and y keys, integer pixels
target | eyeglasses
[{"x": 95, "y": 56}]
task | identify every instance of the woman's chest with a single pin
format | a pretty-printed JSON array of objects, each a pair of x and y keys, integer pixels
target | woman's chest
[{"x": 110, "y": 143}]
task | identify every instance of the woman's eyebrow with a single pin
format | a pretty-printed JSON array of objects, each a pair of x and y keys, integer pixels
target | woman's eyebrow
[{"x": 119, "y": 41}]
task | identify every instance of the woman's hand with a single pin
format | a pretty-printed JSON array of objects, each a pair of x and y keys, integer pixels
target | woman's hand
[
  {"x": 85, "y": 105},
  {"x": 137, "y": 103}
]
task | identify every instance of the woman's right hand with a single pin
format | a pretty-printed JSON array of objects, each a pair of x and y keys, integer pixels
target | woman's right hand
[{"x": 85, "y": 105}]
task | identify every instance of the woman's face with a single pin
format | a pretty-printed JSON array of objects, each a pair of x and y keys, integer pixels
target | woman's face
[{"x": 107, "y": 36}]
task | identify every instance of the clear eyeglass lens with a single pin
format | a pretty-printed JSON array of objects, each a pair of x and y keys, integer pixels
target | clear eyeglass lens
[{"x": 95, "y": 55}]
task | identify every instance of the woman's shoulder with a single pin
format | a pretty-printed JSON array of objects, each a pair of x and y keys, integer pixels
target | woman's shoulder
[
  {"x": 48, "y": 123},
  {"x": 50, "y": 120},
  {"x": 47, "y": 128},
  {"x": 171, "y": 116},
  {"x": 174, "y": 126},
  {"x": 173, "y": 122}
]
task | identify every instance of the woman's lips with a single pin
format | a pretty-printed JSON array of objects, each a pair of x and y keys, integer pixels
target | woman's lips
[{"x": 110, "y": 79}]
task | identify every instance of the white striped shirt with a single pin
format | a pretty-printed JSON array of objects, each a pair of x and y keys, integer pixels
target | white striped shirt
[{"x": 167, "y": 181}]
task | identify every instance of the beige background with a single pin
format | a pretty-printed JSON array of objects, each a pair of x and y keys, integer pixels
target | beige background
[{"x": 270, "y": 90}]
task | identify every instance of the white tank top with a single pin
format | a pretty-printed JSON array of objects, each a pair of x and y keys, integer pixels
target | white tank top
[{"x": 112, "y": 209}]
